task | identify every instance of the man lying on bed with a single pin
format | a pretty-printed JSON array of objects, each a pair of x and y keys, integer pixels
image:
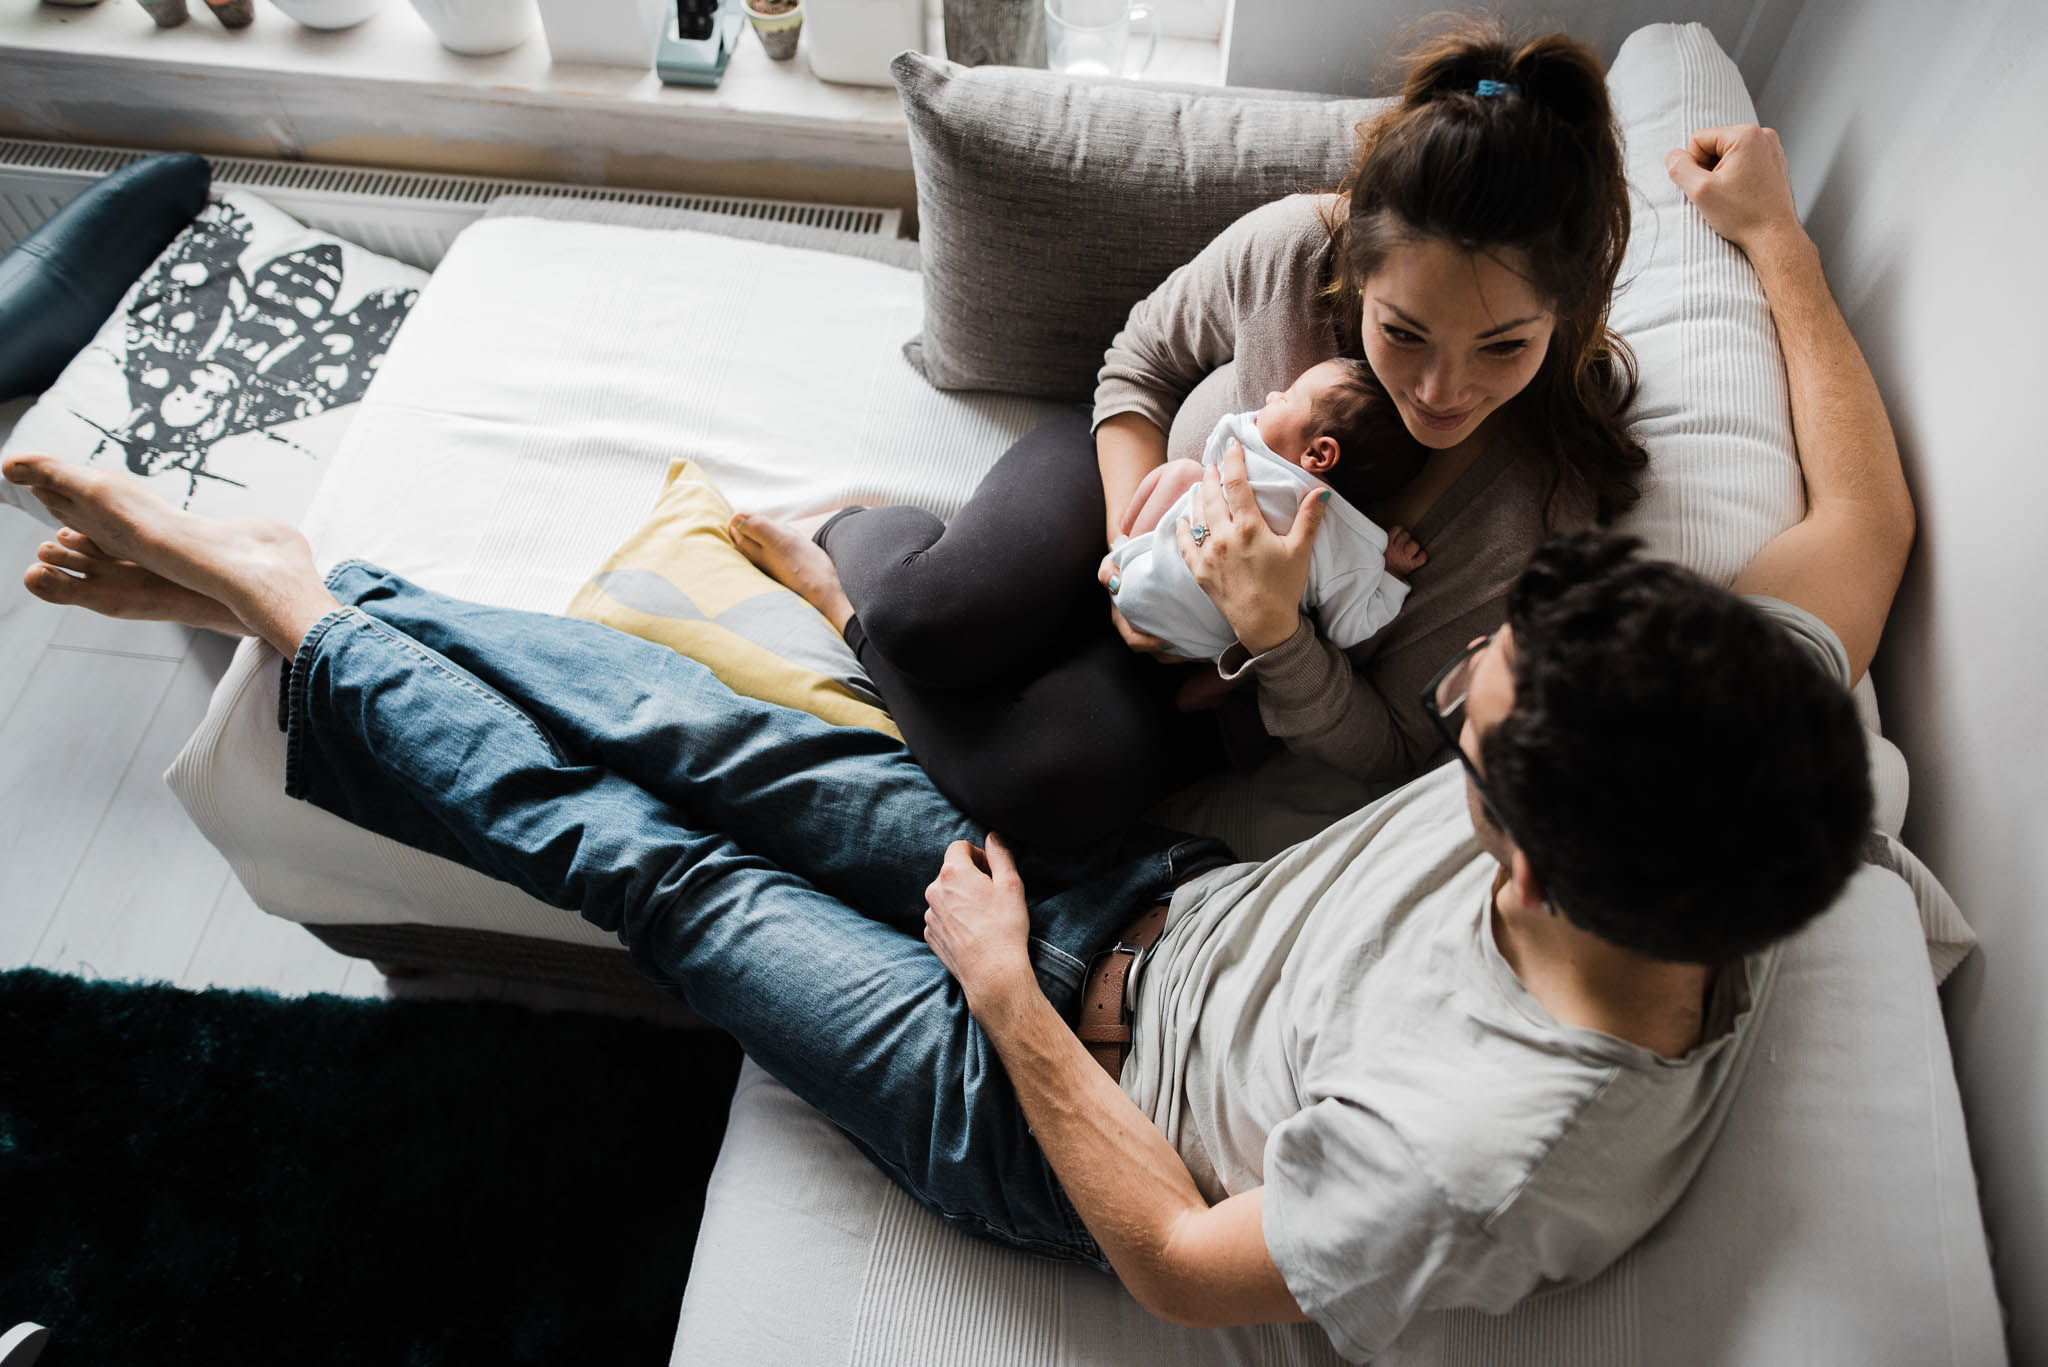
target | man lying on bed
[{"x": 1472, "y": 1041}]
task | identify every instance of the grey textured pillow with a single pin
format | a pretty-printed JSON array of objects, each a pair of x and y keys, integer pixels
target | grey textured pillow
[{"x": 1048, "y": 206}]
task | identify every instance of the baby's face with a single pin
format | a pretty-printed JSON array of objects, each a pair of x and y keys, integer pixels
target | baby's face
[{"x": 1287, "y": 422}]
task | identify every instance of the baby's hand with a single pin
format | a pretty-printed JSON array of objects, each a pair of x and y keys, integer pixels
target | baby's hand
[
  {"x": 1404, "y": 553},
  {"x": 1155, "y": 496}
]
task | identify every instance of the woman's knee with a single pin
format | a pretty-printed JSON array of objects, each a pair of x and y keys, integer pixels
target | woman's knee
[{"x": 1066, "y": 796}]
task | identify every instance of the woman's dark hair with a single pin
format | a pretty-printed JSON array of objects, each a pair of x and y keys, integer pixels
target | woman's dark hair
[
  {"x": 1533, "y": 164},
  {"x": 1684, "y": 779}
]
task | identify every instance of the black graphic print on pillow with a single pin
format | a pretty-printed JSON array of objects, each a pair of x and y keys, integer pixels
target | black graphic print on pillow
[{"x": 210, "y": 354}]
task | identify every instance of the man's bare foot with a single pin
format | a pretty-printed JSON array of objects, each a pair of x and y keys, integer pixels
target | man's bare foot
[
  {"x": 785, "y": 552},
  {"x": 77, "y": 573},
  {"x": 259, "y": 569}
]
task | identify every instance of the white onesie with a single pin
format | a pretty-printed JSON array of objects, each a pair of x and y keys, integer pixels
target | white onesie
[{"x": 1349, "y": 593}]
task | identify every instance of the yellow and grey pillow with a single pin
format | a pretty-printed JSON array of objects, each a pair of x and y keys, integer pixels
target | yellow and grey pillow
[{"x": 681, "y": 582}]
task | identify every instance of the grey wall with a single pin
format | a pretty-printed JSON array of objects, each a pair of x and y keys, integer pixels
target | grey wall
[
  {"x": 1344, "y": 46},
  {"x": 1914, "y": 132}
]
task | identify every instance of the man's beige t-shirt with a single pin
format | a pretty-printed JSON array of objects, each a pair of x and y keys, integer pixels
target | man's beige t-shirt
[{"x": 1338, "y": 1025}]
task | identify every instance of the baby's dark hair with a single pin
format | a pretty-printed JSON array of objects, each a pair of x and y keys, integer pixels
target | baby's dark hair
[{"x": 1375, "y": 455}]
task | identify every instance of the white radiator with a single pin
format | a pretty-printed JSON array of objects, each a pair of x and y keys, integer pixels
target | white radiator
[{"x": 411, "y": 215}]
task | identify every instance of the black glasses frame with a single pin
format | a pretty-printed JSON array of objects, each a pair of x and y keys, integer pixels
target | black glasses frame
[
  {"x": 1449, "y": 733},
  {"x": 1444, "y": 729}
]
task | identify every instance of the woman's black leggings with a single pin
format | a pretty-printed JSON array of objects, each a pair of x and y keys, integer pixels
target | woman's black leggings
[{"x": 990, "y": 641}]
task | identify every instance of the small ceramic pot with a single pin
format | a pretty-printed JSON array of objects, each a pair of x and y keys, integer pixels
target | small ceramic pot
[
  {"x": 778, "y": 32},
  {"x": 477, "y": 28},
  {"x": 329, "y": 14},
  {"x": 233, "y": 13},
  {"x": 167, "y": 13}
]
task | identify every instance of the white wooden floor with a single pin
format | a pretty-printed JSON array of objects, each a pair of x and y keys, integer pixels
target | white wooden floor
[{"x": 101, "y": 873}]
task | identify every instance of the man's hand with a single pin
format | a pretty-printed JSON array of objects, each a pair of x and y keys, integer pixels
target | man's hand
[
  {"x": 1738, "y": 178},
  {"x": 1843, "y": 560},
  {"x": 1180, "y": 1257},
  {"x": 976, "y": 922}
]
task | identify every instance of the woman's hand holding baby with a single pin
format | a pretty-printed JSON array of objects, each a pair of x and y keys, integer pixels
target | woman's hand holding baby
[
  {"x": 1144, "y": 642},
  {"x": 1254, "y": 575}
]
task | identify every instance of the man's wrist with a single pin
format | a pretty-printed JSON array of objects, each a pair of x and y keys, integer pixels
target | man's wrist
[
  {"x": 1005, "y": 998},
  {"x": 1781, "y": 254}
]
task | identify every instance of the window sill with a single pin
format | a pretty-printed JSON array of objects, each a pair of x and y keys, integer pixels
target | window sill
[{"x": 387, "y": 94}]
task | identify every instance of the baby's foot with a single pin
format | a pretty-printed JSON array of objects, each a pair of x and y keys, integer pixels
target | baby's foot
[
  {"x": 785, "y": 552},
  {"x": 76, "y": 572},
  {"x": 1404, "y": 553}
]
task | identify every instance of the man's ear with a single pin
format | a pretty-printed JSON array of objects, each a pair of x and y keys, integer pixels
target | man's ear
[
  {"x": 1528, "y": 890},
  {"x": 1321, "y": 455}
]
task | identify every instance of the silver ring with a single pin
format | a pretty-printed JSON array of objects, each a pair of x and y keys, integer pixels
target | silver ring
[{"x": 1200, "y": 532}]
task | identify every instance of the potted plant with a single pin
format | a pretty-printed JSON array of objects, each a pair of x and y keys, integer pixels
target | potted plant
[{"x": 778, "y": 22}]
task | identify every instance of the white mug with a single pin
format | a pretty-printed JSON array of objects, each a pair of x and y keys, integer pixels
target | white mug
[{"x": 1093, "y": 37}]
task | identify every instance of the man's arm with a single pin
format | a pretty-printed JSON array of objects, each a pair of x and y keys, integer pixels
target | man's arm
[
  {"x": 1179, "y": 1257},
  {"x": 1842, "y": 562}
]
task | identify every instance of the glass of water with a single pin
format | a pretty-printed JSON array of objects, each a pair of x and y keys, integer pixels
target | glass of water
[{"x": 1093, "y": 37}]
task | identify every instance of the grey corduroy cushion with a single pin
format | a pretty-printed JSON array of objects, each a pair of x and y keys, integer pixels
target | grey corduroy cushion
[{"x": 1048, "y": 206}]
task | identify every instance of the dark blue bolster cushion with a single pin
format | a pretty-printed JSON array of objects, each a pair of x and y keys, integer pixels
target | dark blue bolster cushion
[{"x": 62, "y": 281}]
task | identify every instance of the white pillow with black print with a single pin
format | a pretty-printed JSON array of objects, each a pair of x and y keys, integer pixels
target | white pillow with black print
[{"x": 230, "y": 371}]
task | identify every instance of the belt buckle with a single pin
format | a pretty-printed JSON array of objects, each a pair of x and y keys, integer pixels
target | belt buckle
[
  {"x": 1127, "y": 1003},
  {"x": 1120, "y": 947}
]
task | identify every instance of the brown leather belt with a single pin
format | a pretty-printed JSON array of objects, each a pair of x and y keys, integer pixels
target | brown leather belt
[{"x": 1105, "y": 1023}]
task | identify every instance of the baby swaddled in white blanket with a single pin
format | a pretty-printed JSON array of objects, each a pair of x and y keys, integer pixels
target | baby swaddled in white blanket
[{"x": 1356, "y": 579}]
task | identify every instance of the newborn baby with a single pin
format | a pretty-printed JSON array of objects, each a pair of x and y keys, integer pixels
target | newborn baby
[{"x": 1356, "y": 571}]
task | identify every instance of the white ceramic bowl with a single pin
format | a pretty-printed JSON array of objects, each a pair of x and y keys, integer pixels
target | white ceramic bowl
[{"x": 328, "y": 14}]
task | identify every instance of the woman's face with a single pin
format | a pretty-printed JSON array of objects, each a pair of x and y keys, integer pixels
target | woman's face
[{"x": 1453, "y": 334}]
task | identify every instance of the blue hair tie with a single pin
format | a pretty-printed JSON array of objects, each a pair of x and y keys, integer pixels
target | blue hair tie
[{"x": 1491, "y": 87}]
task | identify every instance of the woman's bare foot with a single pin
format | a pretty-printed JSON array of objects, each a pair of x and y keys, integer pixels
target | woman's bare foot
[
  {"x": 260, "y": 570},
  {"x": 785, "y": 552},
  {"x": 76, "y": 572}
]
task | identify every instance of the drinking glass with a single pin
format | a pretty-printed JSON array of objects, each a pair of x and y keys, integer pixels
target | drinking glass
[{"x": 1093, "y": 37}]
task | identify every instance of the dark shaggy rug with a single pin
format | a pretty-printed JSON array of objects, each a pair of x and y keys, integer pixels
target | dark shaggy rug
[{"x": 227, "y": 1177}]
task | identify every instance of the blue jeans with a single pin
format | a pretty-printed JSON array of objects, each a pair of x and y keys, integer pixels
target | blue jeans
[{"x": 767, "y": 867}]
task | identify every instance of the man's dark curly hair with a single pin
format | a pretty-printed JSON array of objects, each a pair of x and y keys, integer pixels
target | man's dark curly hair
[{"x": 1685, "y": 781}]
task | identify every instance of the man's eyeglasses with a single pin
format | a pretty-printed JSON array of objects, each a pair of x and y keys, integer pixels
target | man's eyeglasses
[{"x": 1445, "y": 695}]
